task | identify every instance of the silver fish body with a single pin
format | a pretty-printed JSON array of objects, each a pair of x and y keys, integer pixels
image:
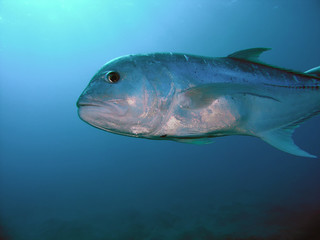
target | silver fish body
[{"x": 191, "y": 99}]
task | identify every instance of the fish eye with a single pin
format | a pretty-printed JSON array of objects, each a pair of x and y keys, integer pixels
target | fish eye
[{"x": 112, "y": 77}]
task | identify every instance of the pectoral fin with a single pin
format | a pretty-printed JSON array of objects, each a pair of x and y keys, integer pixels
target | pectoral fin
[
  {"x": 204, "y": 95},
  {"x": 282, "y": 139}
]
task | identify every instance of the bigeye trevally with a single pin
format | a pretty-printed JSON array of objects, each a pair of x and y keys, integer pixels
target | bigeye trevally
[{"x": 190, "y": 99}]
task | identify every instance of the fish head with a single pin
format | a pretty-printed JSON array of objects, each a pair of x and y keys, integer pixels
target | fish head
[{"x": 121, "y": 99}]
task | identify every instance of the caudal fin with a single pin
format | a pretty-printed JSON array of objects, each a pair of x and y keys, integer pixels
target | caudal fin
[
  {"x": 314, "y": 71},
  {"x": 282, "y": 139}
]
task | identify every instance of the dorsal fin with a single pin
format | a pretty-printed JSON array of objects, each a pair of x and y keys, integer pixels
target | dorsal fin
[
  {"x": 251, "y": 54},
  {"x": 314, "y": 71}
]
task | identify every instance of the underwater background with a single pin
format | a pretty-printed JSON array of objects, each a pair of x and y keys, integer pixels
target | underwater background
[{"x": 63, "y": 179}]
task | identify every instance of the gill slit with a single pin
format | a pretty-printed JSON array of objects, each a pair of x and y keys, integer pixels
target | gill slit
[{"x": 171, "y": 96}]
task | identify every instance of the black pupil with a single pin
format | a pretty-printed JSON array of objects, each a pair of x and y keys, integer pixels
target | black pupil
[{"x": 113, "y": 77}]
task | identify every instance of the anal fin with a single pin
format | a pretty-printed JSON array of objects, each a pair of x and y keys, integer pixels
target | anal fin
[{"x": 282, "y": 139}]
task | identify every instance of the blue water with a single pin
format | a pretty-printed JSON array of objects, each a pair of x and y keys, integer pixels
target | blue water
[{"x": 63, "y": 179}]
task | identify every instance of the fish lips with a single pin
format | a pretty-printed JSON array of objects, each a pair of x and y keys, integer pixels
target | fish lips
[
  {"x": 109, "y": 108},
  {"x": 87, "y": 104}
]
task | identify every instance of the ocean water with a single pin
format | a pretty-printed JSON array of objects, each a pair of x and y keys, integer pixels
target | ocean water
[{"x": 61, "y": 179}]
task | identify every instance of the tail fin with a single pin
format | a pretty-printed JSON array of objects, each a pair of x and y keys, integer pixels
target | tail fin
[{"x": 314, "y": 71}]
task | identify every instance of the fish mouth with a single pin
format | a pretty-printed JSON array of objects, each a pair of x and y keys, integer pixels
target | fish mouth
[
  {"x": 108, "y": 107},
  {"x": 81, "y": 104},
  {"x": 84, "y": 102},
  {"x": 86, "y": 105}
]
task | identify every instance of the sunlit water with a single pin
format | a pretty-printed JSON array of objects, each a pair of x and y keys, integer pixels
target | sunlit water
[{"x": 63, "y": 179}]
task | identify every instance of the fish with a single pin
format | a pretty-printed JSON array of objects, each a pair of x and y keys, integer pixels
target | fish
[{"x": 193, "y": 99}]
